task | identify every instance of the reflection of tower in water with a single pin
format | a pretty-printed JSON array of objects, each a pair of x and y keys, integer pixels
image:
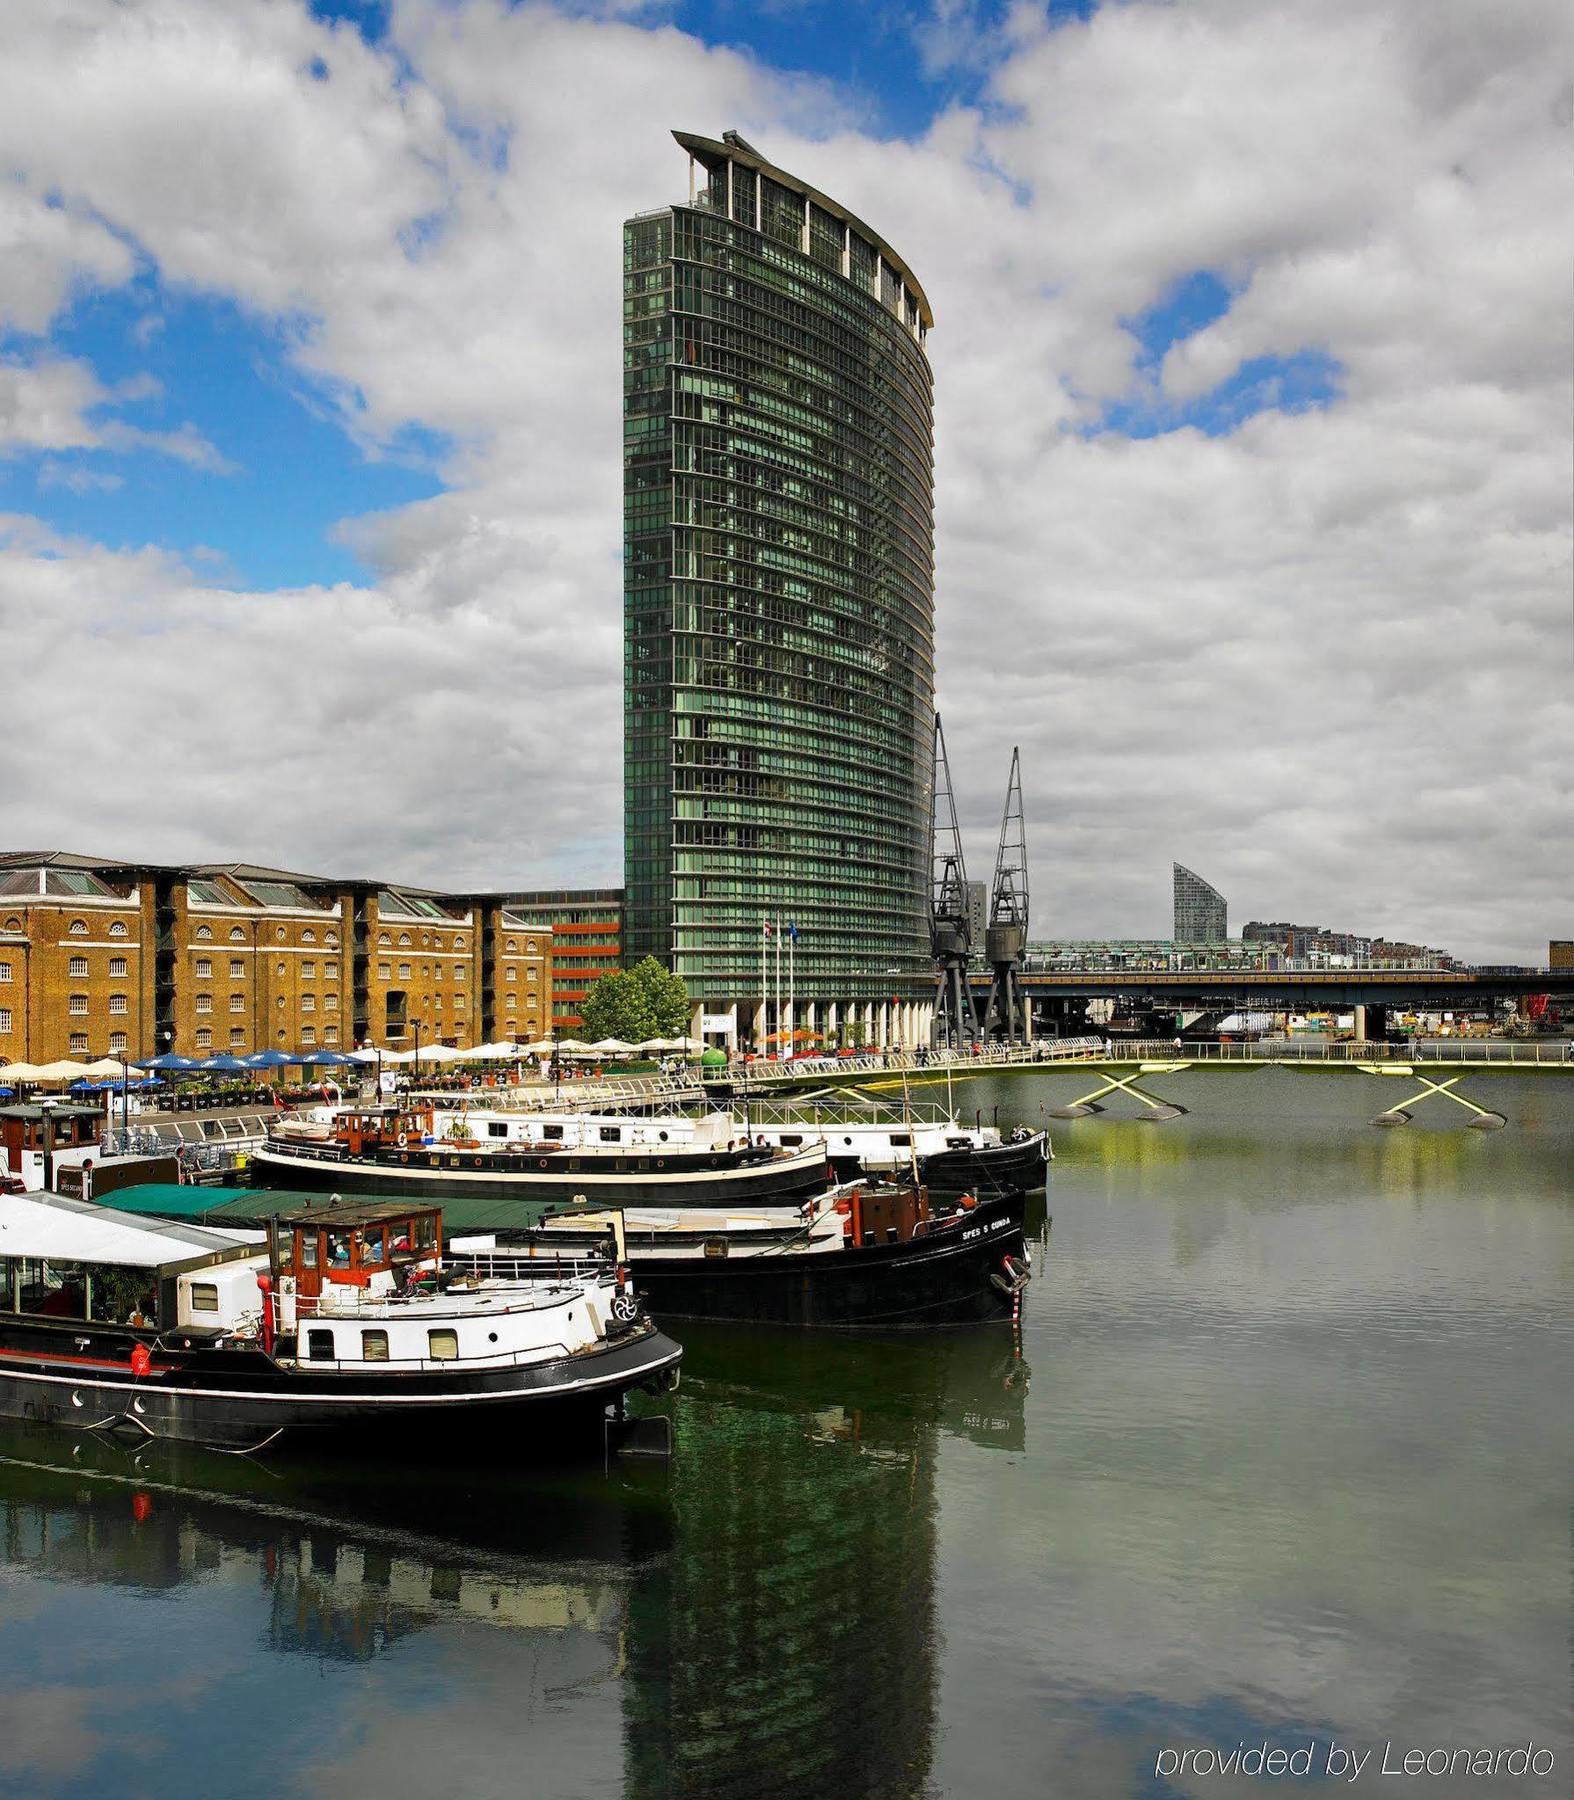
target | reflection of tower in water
[{"x": 788, "y": 1643}]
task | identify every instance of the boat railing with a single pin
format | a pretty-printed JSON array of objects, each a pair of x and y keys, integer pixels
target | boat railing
[{"x": 529, "y": 1263}]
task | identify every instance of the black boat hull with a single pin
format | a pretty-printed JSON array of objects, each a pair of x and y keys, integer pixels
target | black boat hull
[
  {"x": 944, "y": 1278},
  {"x": 644, "y": 1181},
  {"x": 81, "y": 1377},
  {"x": 995, "y": 1169}
]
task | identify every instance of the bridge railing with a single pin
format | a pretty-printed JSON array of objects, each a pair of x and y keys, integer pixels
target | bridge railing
[{"x": 1289, "y": 1050}]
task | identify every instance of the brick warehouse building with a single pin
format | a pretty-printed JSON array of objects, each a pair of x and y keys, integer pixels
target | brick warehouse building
[{"x": 101, "y": 957}]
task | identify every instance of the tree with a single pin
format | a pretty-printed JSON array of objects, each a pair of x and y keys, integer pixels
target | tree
[{"x": 646, "y": 1001}]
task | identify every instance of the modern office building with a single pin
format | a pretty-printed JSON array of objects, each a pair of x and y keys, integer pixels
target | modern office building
[
  {"x": 1201, "y": 916},
  {"x": 778, "y": 604},
  {"x": 586, "y": 926},
  {"x": 1560, "y": 953}
]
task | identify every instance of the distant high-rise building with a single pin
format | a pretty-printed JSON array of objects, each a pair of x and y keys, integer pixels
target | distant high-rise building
[
  {"x": 1560, "y": 953},
  {"x": 778, "y": 602},
  {"x": 1201, "y": 915}
]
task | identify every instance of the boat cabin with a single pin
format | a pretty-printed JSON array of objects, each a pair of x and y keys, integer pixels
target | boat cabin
[
  {"x": 72, "y": 1262},
  {"x": 32, "y": 1131},
  {"x": 373, "y": 1244}
]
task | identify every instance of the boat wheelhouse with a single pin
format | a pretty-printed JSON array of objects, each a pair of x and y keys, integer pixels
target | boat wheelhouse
[{"x": 346, "y": 1321}]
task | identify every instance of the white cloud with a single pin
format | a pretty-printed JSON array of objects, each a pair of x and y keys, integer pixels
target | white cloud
[{"x": 1324, "y": 660}]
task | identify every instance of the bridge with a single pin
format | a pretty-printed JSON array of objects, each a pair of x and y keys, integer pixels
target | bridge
[{"x": 1060, "y": 994}]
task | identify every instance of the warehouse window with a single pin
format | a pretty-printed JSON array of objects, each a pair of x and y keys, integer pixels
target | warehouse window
[
  {"x": 237, "y": 1036},
  {"x": 237, "y": 936},
  {"x": 117, "y": 1004},
  {"x": 78, "y": 965},
  {"x": 5, "y": 1020},
  {"x": 237, "y": 970},
  {"x": 117, "y": 1040},
  {"x": 78, "y": 1004},
  {"x": 79, "y": 928},
  {"x": 78, "y": 1045},
  {"x": 204, "y": 1003},
  {"x": 308, "y": 936},
  {"x": 204, "y": 966},
  {"x": 117, "y": 965},
  {"x": 118, "y": 928},
  {"x": 206, "y": 931},
  {"x": 204, "y": 1039},
  {"x": 237, "y": 1003},
  {"x": 5, "y": 971}
]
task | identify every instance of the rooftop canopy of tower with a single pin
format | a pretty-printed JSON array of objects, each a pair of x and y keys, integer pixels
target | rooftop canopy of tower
[{"x": 715, "y": 153}]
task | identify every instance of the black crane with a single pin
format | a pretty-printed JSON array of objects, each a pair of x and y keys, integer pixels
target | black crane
[
  {"x": 950, "y": 934},
  {"x": 1005, "y": 937}
]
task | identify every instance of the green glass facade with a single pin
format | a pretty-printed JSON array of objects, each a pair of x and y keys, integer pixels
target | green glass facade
[{"x": 779, "y": 590}]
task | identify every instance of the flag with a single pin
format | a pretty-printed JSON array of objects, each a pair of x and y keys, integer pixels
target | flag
[
  {"x": 792, "y": 932},
  {"x": 767, "y": 924}
]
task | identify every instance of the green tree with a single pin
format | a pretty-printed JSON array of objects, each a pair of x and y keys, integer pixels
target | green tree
[{"x": 646, "y": 1001}]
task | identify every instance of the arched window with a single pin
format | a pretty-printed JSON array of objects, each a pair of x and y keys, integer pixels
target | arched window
[
  {"x": 331, "y": 939},
  {"x": 237, "y": 936},
  {"x": 459, "y": 941},
  {"x": 384, "y": 941},
  {"x": 308, "y": 936},
  {"x": 204, "y": 931},
  {"x": 204, "y": 1038},
  {"x": 13, "y": 924},
  {"x": 404, "y": 940},
  {"x": 509, "y": 945},
  {"x": 79, "y": 928},
  {"x": 117, "y": 1040},
  {"x": 118, "y": 928}
]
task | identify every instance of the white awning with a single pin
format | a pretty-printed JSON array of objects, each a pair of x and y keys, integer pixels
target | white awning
[{"x": 75, "y": 1231}]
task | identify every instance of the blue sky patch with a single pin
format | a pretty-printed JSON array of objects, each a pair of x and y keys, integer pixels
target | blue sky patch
[
  {"x": 1300, "y": 383},
  {"x": 289, "y": 471}
]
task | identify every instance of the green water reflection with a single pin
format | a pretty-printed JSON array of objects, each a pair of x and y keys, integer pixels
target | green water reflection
[{"x": 1283, "y": 1454}]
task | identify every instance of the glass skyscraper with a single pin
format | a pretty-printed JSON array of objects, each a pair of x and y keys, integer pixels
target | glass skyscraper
[
  {"x": 1201, "y": 916},
  {"x": 778, "y": 603}
]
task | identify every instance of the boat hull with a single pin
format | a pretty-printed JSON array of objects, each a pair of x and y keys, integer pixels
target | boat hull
[
  {"x": 242, "y": 1399},
  {"x": 945, "y": 1278},
  {"x": 644, "y": 1182},
  {"x": 990, "y": 1169}
]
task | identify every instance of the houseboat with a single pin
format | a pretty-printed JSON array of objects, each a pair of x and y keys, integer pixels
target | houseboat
[
  {"x": 932, "y": 1149},
  {"x": 863, "y": 1254},
  {"x": 345, "y": 1322},
  {"x": 487, "y": 1155}
]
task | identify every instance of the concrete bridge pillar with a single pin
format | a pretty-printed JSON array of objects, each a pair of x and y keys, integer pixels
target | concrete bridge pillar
[{"x": 1371, "y": 1024}]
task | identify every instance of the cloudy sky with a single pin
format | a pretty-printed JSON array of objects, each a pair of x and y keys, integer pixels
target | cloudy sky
[{"x": 1252, "y": 360}]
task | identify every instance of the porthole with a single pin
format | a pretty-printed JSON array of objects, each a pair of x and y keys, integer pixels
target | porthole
[{"x": 491, "y": 1337}]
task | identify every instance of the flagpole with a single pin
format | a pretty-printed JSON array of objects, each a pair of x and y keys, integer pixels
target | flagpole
[
  {"x": 778, "y": 984},
  {"x": 765, "y": 994},
  {"x": 792, "y": 984}
]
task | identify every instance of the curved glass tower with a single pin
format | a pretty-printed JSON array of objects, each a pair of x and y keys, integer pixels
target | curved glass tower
[{"x": 779, "y": 603}]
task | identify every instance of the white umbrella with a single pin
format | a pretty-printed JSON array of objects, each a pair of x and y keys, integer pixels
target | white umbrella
[
  {"x": 109, "y": 1065},
  {"x": 574, "y": 1047},
  {"x": 368, "y": 1054},
  {"x": 64, "y": 1070},
  {"x": 541, "y": 1047},
  {"x": 612, "y": 1047}
]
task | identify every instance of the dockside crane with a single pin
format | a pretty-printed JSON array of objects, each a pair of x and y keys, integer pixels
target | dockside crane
[
  {"x": 1005, "y": 937},
  {"x": 950, "y": 934}
]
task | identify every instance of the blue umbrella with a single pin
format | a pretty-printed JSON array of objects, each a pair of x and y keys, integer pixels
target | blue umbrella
[
  {"x": 224, "y": 1065},
  {"x": 169, "y": 1060},
  {"x": 268, "y": 1059},
  {"x": 328, "y": 1059}
]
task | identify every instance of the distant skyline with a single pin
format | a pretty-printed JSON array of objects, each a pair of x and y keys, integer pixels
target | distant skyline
[{"x": 1252, "y": 356}]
